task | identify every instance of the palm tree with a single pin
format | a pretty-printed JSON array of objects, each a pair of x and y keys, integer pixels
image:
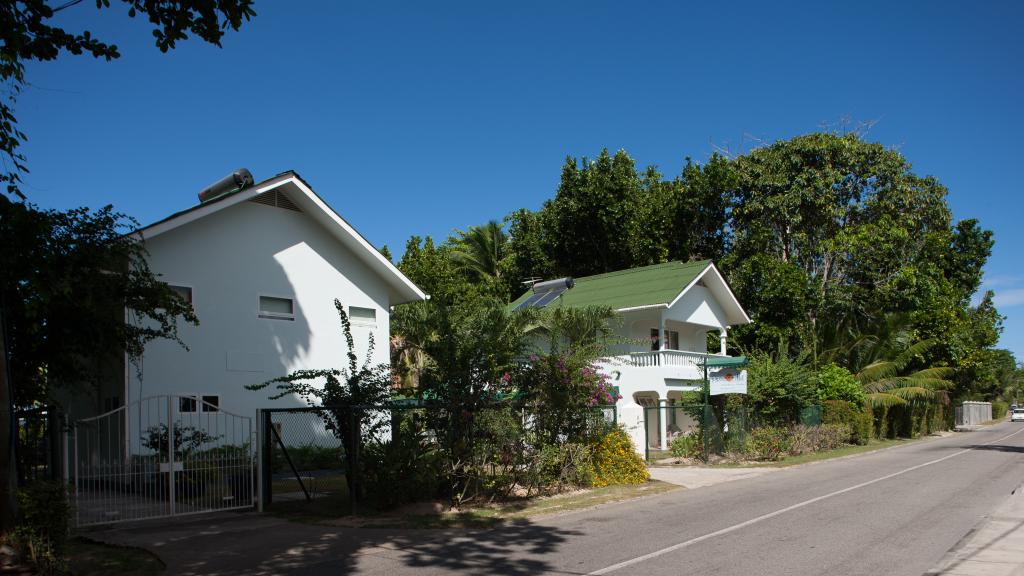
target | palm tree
[
  {"x": 586, "y": 330},
  {"x": 408, "y": 346},
  {"x": 481, "y": 250},
  {"x": 881, "y": 363},
  {"x": 408, "y": 361}
]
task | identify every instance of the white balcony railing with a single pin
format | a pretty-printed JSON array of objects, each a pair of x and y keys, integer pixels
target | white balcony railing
[{"x": 669, "y": 358}]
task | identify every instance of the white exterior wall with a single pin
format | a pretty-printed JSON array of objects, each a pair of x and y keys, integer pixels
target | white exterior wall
[{"x": 229, "y": 259}]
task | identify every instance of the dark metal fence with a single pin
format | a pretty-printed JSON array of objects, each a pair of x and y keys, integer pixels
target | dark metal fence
[
  {"x": 303, "y": 456},
  {"x": 41, "y": 448}
]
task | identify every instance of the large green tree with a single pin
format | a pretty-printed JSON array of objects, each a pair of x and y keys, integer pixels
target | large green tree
[
  {"x": 76, "y": 295},
  {"x": 869, "y": 236}
]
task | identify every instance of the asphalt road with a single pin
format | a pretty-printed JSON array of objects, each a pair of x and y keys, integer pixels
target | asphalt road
[{"x": 891, "y": 512}]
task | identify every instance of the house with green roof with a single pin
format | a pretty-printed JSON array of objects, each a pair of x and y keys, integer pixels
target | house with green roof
[{"x": 667, "y": 313}]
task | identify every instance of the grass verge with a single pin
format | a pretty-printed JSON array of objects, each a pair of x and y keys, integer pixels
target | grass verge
[
  {"x": 98, "y": 559},
  {"x": 819, "y": 456},
  {"x": 334, "y": 511},
  {"x": 838, "y": 452}
]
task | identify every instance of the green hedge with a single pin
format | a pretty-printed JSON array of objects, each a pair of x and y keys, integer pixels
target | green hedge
[
  {"x": 858, "y": 419},
  {"x": 999, "y": 410}
]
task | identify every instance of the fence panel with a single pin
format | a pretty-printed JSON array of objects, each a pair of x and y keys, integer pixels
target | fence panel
[{"x": 162, "y": 456}]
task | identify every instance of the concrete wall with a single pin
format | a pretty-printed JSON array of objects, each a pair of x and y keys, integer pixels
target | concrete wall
[
  {"x": 229, "y": 259},
  {"x": 974, "y": 413}
]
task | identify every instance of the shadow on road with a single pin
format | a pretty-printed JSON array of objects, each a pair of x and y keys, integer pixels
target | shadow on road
[
  {"x": 997, "y": 448},
  {"x": 254, "y": 544}
]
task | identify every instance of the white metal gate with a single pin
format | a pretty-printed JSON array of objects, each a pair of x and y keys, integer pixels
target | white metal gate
[{"x": 162, "y": 456}]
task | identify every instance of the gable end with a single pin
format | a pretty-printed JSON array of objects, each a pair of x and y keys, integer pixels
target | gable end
[{"x": 276, "y": 199}]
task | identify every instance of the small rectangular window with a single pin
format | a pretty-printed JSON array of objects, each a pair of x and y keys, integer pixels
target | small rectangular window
[
  {"x": 211, "y": 403},
  {"x": 655, "y": 341},
  {"x": 111, "y": 403},
  {"x": 365, "y": 316},
  {"x": 183, "y": 292},
  {"x": 671, "y": 340},
  {"x": 187, "y": 404},
  {"x": 275, "y": 307}
]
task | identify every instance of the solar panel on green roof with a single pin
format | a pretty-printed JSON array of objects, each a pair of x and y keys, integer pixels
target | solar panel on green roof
[{"x": 531, "y": 300}]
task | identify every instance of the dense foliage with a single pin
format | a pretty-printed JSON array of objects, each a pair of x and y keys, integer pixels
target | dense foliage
[
  {"x": 43, "y": 526},
  {"x": 858, "y": 279}
]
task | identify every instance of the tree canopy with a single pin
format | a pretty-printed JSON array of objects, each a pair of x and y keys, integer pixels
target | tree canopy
[{"x": 836, "y": 247}]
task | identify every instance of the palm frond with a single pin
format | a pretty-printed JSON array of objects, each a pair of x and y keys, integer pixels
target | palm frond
[
  {"x": 936, "y": 372},
  {"x": 884, "y": 400},
  {"x": 912, "y": 393},
  {"x": 877, "y": 370}
]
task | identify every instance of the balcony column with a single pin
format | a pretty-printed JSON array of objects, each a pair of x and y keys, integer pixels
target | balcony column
[
  {"x": 662, "y": 345},
  {"x": 722, "y": 335},
  {"x": 663, "y": 424}
]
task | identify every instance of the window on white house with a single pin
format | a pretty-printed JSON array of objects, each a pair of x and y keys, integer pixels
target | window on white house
[
  {"x": 211, "y": 403},
  {"x": 111, "y": 403},
  {"x": 187, "y": 404},
  {"x": 671, "y": 340},
  {"x": 363, "y": 316},
  {"x": 184, "y": 292},
  {"x": 655, "y": 340},
  {"x": 275, "y": 307}
]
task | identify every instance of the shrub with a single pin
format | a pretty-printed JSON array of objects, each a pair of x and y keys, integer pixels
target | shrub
[
  {"x": 566, "y": 387},
  {"x": 561, "y": 466},
  {"x": 999, "y": 410},
  {"x": 857, "y": 418},
  {"x": 688, "y": 446},
  {"x": 800, "y": 440},
  {"x": 500, "y": 456},
  {"x": 837, "y": 383},
  {"x": 308, "y": 457},
  {"x": 616, "y": 460},
  {"x": 830, "y": 436},
  {"x": 779, "y": 390},
  {"x": 769, "y": 442},
  {"x": 400, "y": 471},
  {"x": 42, "y": 528}
]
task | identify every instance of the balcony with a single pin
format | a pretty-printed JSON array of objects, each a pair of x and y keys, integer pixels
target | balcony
[{"x": 669, "y": 358}]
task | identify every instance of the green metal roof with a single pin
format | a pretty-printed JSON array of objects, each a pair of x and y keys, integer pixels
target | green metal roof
[
  {"x": 645, "y": 286},
  {"x": 726, "y": 361}
]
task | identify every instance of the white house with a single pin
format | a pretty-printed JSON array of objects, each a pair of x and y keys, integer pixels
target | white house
[
  {"x": 262, "y": 266},
  {"x": 666, "y": 312}
]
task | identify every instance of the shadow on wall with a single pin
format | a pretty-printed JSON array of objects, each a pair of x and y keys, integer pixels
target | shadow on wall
[{"x": 286, "y": 343}]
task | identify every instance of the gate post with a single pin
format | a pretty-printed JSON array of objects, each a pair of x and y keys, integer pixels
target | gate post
[
  {"x": 170, "y": 451},
  {"x": 265, "y": 458}
]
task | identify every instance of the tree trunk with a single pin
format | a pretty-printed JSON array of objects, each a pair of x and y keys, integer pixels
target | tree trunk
[{"x": 8, "y": 470}]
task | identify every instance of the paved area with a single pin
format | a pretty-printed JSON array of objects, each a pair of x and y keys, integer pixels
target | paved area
[
  {"x": 698, "y": 477},
  {"x": 994, "y": 548}
]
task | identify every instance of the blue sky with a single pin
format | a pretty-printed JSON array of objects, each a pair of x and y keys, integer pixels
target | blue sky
[{"x": 419, "y": 118}]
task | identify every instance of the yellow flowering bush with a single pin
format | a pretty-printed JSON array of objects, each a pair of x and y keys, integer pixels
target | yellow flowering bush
[{"x": 616, "y": 460}]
